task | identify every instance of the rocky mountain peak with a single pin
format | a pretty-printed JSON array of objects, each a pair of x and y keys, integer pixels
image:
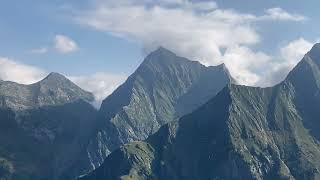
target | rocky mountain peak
[
  {"x": 314, "y": 53},
  {"x": 160, "y": 55},
  {"x": 55, "y": 76},
  {"x": 56, "y": 79},
  {"x": 57, "y": 88},
  {"x": 163, "y": 50},
  {"x": 163, "y": 57}
]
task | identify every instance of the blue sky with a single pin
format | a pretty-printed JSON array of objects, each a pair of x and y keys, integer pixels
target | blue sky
[
  {"x": 25, "y": 26},
  {"x": 111, "y": 37}
]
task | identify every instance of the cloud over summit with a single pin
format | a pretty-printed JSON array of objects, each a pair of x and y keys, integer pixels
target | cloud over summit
[{"x": 197, "y": 30}]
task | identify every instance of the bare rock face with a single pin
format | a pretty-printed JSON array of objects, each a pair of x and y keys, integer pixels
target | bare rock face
[
  {"x": 242, "y": 133},
  {"x": 164, "y": 88}
]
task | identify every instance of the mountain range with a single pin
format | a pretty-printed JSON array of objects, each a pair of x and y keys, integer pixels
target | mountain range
[
  {"x": 171, "y": 119},
  {"x": 49, "y": 130},
  {"x": 241, "y": 133}
]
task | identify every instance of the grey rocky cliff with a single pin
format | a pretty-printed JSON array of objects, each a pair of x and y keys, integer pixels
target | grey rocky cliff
[{"x": 161, "y": 90}]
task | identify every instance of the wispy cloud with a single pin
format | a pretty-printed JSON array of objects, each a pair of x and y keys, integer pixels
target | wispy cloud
[
  {"x": 64, "y": 44},
  {"x": 101, "y": 84},
  {"x": 280, "y": 14},
  {"x": 272, "y": 14},
  {"x": 41, "y": 50}
]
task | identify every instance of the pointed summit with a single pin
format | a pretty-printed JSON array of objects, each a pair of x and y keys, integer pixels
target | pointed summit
[
  {"x": 60, "y": 90},
  {"x": 164, "y": 60},
  {"x": 314, "y": 53},
  {"x": 160, "y": 55},
  {"x": 163, "y": 50},
  {"x": 55, "y": 80},
  {"x": 55, "y": 77}
]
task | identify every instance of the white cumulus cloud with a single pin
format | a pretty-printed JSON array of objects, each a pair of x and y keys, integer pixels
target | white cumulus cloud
[
  {"x": 11, "y": 70},
  {"x": 101, "y": 84},
  {"x": 295, "y": 50},
  {"x": 197, "y": 30},
  {"x": 188, "y": 33},
  {"x": 64, "y": 44},
  {"x": 280, "y": 14},
  {"x": 260, "y": 69},
  {"x": 289, "y": 56},
  {"x": 245, "y": 65}
]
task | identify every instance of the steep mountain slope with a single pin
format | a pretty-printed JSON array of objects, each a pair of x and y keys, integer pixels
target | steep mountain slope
[
  {"x": 43, "y": 127},
  {"x": 162, "y": 89},
  {"x": 242, "y": 133}
]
